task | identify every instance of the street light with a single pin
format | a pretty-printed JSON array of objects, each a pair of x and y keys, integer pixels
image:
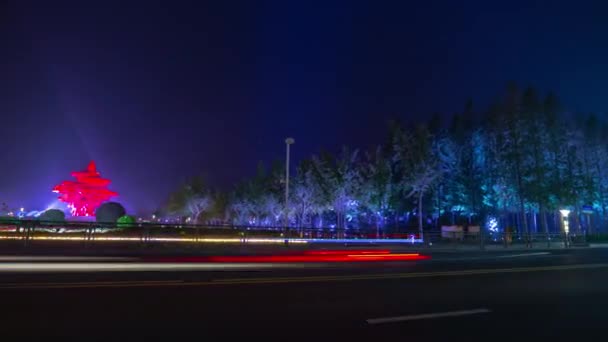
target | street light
[
  {"x": 565, "y": 213},
  {"x": 288, "y": 142}
]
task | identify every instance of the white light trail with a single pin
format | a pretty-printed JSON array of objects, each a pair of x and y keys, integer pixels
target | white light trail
[{"x": 53, "y": 267}]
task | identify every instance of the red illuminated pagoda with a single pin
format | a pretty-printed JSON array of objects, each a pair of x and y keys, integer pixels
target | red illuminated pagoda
[{"x": 88, "y": 192}]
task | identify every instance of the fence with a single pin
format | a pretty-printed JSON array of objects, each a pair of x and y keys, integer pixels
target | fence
[
  {"x": 506, "y": 240},
  {"x": 29, "y": 231}
]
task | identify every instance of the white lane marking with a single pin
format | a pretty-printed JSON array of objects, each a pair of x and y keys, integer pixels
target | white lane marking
[
  {"x": 490, "y": 257},
  {"x": 598, "y": 245},
  {"x": 523, "y": 255},
  {"x": 426, "y": 316}
]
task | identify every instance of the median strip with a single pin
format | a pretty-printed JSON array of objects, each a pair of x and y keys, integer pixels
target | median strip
[{"x": 522, "y": 255}]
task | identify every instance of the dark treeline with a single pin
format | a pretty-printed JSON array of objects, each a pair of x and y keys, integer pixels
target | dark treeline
[{"x": 514, "y": 164}]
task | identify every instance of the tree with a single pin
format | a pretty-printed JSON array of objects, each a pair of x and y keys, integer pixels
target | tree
[
  {"x": 4, "y": 209},
  {"x": 126, "y": 221},
  {"x": 257, "y": 201},
  {"x": 240, "y": 210},
  {"x": 270, "y": 210},
  {"x": 415, "y": 155},
  {"x": 192, "y": 199},
  {"x": 596, "y": 133},
  {"x": 340, "y": 182},
  {"x": 109, "y": 212},
  {"x": 519, "y": 162},
  {"x": 378, "y": 187},
  {"x": 305, "y": 194},
  {"x": 515, "y": 147},
  {"x": 535, "y": 163},
  {"x": 52, "y": 215},
  {"x": 219, "y": 211}
]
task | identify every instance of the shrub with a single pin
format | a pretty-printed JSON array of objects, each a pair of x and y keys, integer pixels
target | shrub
[
  {"x": 52, "y": 215},
  {"x": 109, "y": 212},
  {"x": 126, "y": 221}
]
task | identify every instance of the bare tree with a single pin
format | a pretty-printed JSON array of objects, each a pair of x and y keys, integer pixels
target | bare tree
[
  {"x": 306, "y": 195},
  {"x": 191, "y": 199}
]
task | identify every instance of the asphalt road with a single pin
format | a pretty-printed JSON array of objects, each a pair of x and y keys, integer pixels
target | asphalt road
[{"x": 464, "y": 296}]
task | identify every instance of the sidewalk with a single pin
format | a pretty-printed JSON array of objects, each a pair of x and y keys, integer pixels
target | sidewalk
[{"x": 490, "y": 248}]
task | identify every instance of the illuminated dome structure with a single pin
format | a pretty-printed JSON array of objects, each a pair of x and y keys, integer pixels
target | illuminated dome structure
[{"x": 88, "y": 192}]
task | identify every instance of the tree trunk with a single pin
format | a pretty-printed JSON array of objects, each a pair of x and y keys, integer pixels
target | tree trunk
[
  {"x": 543, "y": 223},
  {"x": 341, "y": 232},
  {"x": 438, "y": 208},
  {"x": 524, "y": 220},
  {"x": 196, "y": 217},
  {"x": 397, "y": 221},
  {"x": 420, "y": 216},
  {"x": 577, "y": 219}
]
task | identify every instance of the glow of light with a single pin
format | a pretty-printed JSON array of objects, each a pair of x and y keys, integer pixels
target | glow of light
[
  {"x": 34, "y": 213},
  {"x": 370, "y": 241},
  {"x": 347, "y": 252},
  {"x": 387, "y": 257},
  {"x": 565, "y": 213},
  {"x": 492, "y": 224}
]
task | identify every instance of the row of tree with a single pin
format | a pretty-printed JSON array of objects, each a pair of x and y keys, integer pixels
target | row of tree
[{"x": 517, "y": 163}]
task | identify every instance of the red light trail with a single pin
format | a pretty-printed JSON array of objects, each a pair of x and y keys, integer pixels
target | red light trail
[{"x": 305, "y": 257}]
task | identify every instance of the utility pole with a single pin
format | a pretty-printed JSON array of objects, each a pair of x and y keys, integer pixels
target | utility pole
[{"x": 288, "y": 142}]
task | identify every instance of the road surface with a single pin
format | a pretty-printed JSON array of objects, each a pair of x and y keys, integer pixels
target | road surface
[{"x": 464, "y": 296}]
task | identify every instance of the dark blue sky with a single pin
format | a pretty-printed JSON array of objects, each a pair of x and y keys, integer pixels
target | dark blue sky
[{"x": 156, "y": 93}]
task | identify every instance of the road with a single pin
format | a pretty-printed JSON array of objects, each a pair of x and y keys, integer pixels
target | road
[{"x": 472, "y": 296}]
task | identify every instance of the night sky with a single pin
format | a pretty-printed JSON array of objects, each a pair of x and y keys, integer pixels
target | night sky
[{"x": 157, "y": 93}]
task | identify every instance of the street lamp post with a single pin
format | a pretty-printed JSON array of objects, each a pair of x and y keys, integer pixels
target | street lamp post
[
  {"x": 565, "y": 213},
  {"x": 288, "y": 142}
]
